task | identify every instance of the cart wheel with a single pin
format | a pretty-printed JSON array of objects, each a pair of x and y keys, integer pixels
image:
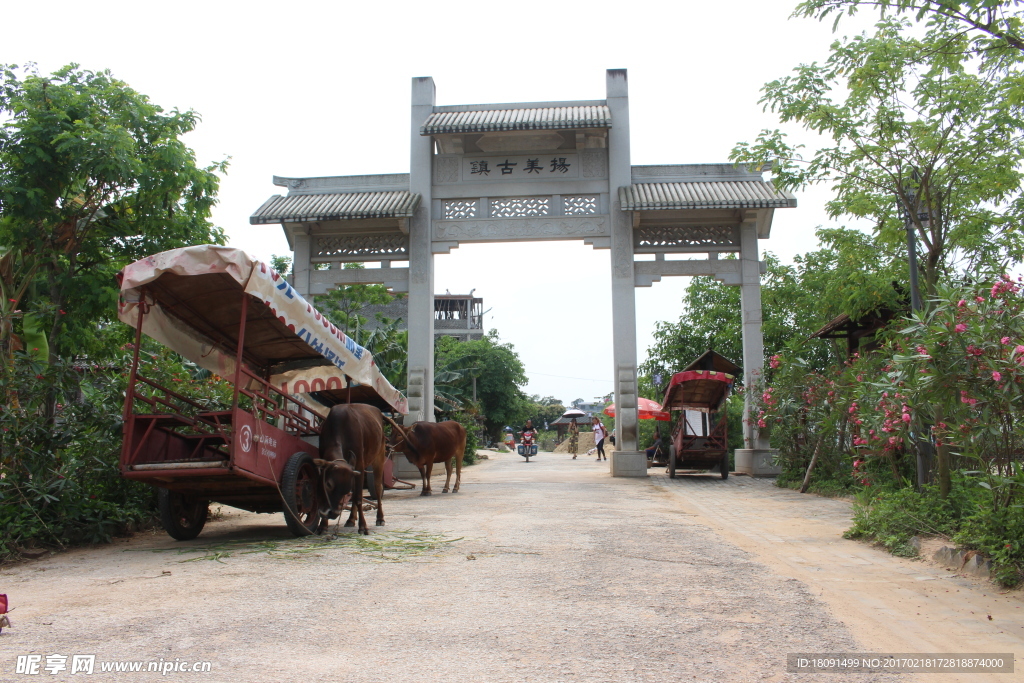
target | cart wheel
[
  {"x": 183, "y": 517},
  {"x": 725, "y": 466},
  {"x": 671, "y": 462},
  {"x": 298, "y": 486}
]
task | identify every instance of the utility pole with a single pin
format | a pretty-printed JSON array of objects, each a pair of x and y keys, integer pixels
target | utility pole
[{"x": 924, "y": 447}]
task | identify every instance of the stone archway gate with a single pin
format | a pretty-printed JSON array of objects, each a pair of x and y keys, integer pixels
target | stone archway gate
[{"x": 526, "y": 172}]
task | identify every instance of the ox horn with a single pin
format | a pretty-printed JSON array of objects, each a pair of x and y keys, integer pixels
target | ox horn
[
  {"x": 401, "y": 431},
  {"x": 395, "y": 425}
]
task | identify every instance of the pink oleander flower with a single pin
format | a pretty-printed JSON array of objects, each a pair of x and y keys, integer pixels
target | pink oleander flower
[
  {"x": 906, "y": 417},
  {"x": 1004, "y": 340},
  {"x": 961, "y": 303},
  {"x": 960, "y": 328},
  {"x": 762, "y": 424},
  {"x": 997, "y": 376},
  {"x": 979, "y": 299},
  {"x": 774, "y": 362},
  {"x": 1005, "y": 285}
]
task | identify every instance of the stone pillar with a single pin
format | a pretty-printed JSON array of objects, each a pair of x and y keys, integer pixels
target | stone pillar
[
  {"x": 753, "y": 342},
  {"x": 627, "y": 460},
  {"x": 421, "y": 259},
  {"x": 754, "y": 458},
  {"x": 301, "y": 264}
]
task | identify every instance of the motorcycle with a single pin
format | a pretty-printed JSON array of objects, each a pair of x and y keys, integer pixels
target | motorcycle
[{"x": 527, "y": 446}]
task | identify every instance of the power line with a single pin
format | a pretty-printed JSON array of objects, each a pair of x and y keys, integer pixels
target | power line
[{"x": 582, "y": 379}]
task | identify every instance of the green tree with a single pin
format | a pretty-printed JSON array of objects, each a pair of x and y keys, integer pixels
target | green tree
[
  {"x": 389, "y": 345},
  {"x": 711, "y": 319},
  {"x": 93, "y": 176},
  {"x": 282, "y": 264},
  {"x": 344, "y": 305},
  {"x": 544, "y": 410},
  {"x": 915, "y": 129},
  {"x": 992, "y": 25},
  {"x": 499, "y": 376}
]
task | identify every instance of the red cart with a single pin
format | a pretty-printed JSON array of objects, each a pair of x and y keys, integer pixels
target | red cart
[
  {"x": 239, "y": 319},
  {"x": 700, "y": 439}
]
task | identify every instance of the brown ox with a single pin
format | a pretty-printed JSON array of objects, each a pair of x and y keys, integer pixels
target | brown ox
[
  {"x": 351, "y": 444},
  {"x": 425, "y": 443}
]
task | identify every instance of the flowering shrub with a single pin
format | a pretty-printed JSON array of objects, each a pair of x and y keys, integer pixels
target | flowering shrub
[{"x": 951, "y": 378}]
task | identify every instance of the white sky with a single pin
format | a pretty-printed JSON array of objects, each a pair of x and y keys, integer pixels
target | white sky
[{"x": 322, "y": 88}]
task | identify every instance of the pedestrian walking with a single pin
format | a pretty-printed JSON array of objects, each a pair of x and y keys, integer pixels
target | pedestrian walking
[
  {"x": 599, "y": 435},
  {"x": 574, "y": 438}
]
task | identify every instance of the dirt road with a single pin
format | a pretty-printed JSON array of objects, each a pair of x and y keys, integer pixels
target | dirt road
[{"x": 541, "y": 571}]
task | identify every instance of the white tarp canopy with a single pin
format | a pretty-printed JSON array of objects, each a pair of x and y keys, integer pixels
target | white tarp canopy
[{"x": 342, "y": 355}]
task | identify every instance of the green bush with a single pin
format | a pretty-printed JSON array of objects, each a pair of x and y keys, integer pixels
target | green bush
[
  {"x": 831, "y": 487},
  {"x": 60, "y": 446},
  {"x": 892, "y": 517},
  {"x": 60, "y": 442},
  {"x": 472, "y": 425},
  {"x": 997, "y": 531}
]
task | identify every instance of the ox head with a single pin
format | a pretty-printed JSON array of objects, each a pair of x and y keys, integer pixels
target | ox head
[{"x": 339, "y": 482}]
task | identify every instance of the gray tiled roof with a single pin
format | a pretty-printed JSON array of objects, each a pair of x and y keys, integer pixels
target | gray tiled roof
[
  {"x": 744, "y": 194},
  {"x": 544, "y": 118},
  {"x": 336, "y": 206}
]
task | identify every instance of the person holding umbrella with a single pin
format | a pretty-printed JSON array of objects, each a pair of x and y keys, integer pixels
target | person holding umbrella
[
  {"x": 574, "y": 438},
  {"x": 574, "y": 430}
]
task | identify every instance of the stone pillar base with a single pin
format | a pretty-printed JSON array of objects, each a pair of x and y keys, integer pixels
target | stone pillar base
[
  {"x": 757, "y": 462},
  {"x": 629, "y": 463},
  {"x": 406, "y": 470}
]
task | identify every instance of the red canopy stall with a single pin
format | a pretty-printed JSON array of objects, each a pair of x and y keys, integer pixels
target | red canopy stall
[{"x": 704, "y": 444}]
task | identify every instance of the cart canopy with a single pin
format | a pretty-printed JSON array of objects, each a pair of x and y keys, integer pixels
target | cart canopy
[
  {"x": 195, "y": 304},
  {"x": 700, "y": 390}
]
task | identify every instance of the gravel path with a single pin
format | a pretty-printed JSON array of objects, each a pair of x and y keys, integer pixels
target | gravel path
[{"x": 541, "y": 571}]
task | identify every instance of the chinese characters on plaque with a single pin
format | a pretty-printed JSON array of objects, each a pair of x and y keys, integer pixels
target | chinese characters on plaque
[{"x": 534, "y": 167}]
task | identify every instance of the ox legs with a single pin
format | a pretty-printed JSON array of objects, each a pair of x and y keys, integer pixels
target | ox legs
[
  {"x": 458, "y": 470},
  {"x": 425, "y": 471},
  {"x": 448, "y": 475},
  {"x": 448, "y": 472},
  {"x": 378, "y": 489},
  {"x": 357, "y": 505}
]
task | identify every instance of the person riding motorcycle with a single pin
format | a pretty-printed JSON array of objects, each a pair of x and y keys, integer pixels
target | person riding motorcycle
[{"x": 528, "y": 436}]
